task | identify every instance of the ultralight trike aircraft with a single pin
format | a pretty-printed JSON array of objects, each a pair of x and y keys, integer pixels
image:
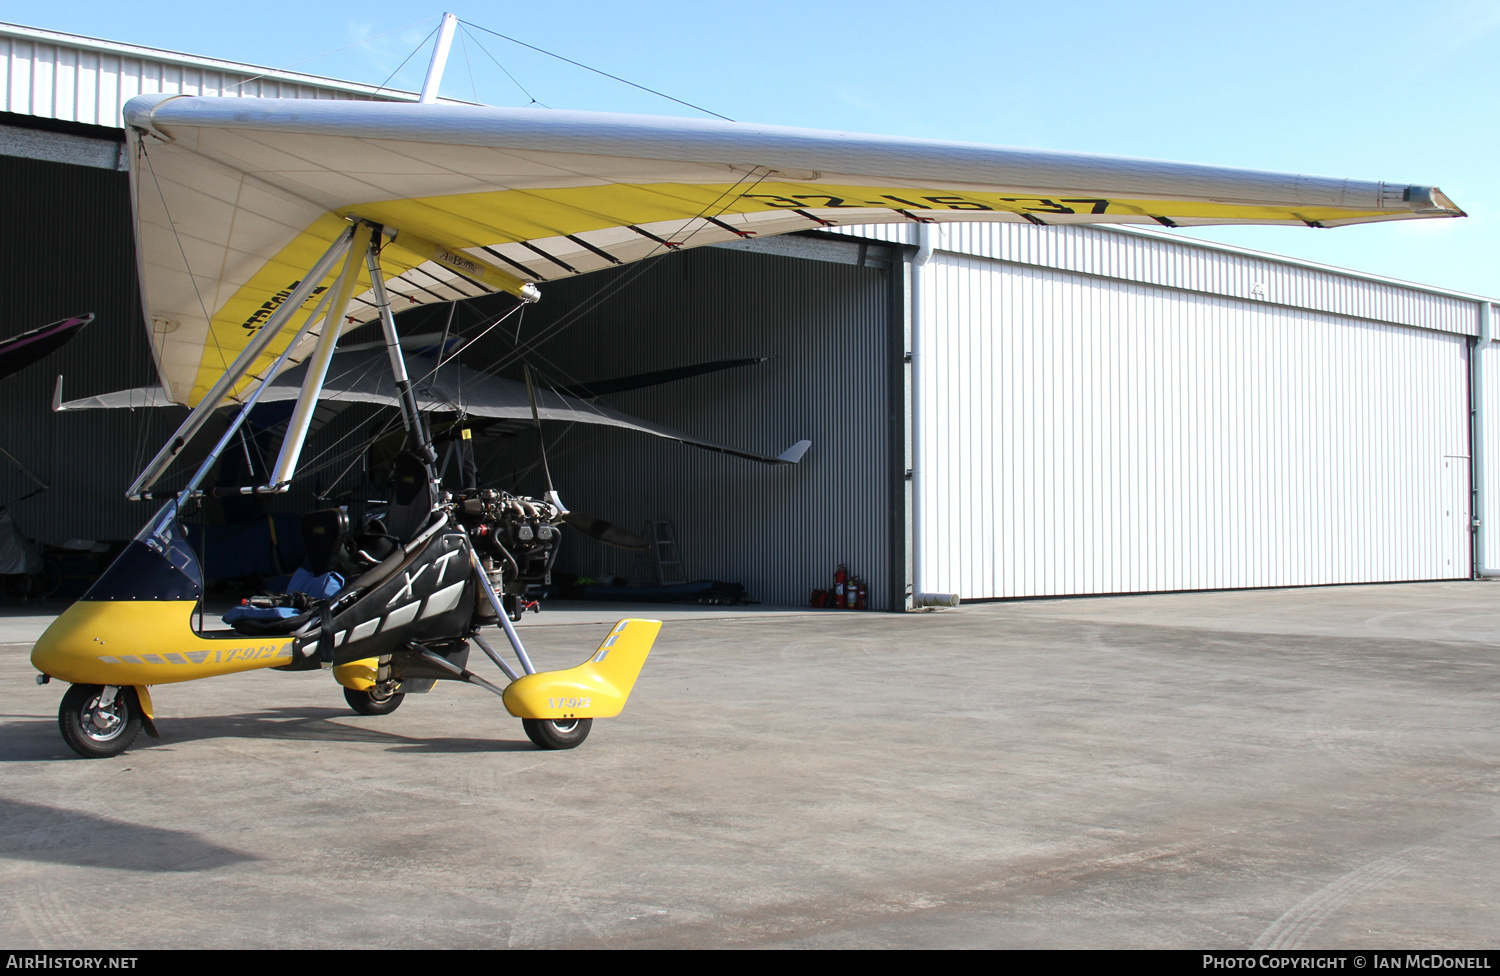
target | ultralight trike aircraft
[{"x": 267, "y": 227}]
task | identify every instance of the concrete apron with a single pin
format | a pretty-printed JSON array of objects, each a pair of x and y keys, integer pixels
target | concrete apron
[{"x": 1272, "y": 769}]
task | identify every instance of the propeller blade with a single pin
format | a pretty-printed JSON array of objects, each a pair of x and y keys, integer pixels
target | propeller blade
[
  {"x": 605, "y": 532},
  {"x": 638, "y": 381}
]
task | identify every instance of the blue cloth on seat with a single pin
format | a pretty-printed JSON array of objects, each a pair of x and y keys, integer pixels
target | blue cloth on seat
[
  {"x": 247, "y": 612},
  {"x": 317, "y": 587}
]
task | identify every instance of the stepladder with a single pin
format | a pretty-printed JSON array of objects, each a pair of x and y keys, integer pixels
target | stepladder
[{"x": 664, "y": 552}]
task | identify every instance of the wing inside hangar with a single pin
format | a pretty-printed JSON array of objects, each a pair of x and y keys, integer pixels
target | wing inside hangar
[
  {"x": 363, "y": 376},
  {"x": 237, "y": 198}
]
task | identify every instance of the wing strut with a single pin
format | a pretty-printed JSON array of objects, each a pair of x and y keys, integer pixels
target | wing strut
[
  {"x": 235, "y": 425},
  {"x": 317, "y": 366},
  {"x": 216, "y": 396},
  {"x": 415, "y": 428}
]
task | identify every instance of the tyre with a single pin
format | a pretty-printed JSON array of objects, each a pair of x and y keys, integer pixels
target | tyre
[
  {"x": 99, "y": 733},
  {"x": 373, "y": 702},
  {"x": 557, "y": 733}
]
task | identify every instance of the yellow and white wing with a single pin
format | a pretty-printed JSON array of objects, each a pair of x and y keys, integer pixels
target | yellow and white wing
[{"x": 237, "y": 198}]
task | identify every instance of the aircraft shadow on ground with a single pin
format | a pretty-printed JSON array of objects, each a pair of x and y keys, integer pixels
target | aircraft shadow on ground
[
  {"x": 32, "y": 741},
  {"x": 36, "y": 832}
]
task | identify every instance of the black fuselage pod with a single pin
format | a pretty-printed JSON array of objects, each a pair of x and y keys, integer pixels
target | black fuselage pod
[{"x": 426, "y": 596}]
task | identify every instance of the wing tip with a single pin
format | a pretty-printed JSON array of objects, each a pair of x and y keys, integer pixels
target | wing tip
[
  {"x": 1429, "y": 200},
  {"x": 794, "y": 453}
]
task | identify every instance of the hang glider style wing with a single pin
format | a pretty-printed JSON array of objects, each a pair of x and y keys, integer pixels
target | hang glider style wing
[
  {"x": 237, "y": 198},
  {"x": 18, "y": 352},
  {"x": 363, "y": 376}
]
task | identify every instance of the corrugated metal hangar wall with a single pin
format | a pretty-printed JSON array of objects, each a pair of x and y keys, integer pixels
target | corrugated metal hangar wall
[
  {"x": 1112, "y": 412},
  {"x": 52, "y": 75},
  {"x": 69, "y": 250}
]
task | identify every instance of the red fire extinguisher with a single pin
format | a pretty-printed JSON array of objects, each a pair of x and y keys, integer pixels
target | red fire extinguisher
[
  {"x": 841, "y": 587},
  {"x": 861, "y": 599}
]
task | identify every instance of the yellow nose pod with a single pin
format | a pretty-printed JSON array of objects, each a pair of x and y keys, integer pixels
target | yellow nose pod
[{"x": 597, "y": 688}]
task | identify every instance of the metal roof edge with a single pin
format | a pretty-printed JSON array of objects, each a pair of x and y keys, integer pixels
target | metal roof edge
[
  {"x": 1161, "y": 234},
  {"x": 123, "y": 49},
  {"x": 1167, "y": 235}
]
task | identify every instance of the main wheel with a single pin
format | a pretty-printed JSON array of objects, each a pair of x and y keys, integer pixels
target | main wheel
[
  {"x": 557, "y": 733},
  {"x": 373, "y": 702},
  {"x": 99, "y": 732}
]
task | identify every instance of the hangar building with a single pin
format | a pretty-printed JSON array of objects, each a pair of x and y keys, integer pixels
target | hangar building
[{"x": 996, "y": 411}]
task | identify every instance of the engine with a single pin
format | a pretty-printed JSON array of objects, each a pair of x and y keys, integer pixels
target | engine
[{"x": 516, "y": 539}]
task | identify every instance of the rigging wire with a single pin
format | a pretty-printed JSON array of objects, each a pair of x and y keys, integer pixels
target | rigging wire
[
  {"x": 365, "y": 370},
  {"x": 413, "y": 54},
  {"x": 513, "y": 78},
  {"x": 140, "y": 434},
  {"x": 208, "y": 320},
  {"x": 571, "y": 317},
  {"x": 473, "y": 88},
  {"x": 579, "y": 64},
  {"x": 390, "y": 421},
  {"x": 334, "y": 51},
  {"x": 443, "y": 345}
]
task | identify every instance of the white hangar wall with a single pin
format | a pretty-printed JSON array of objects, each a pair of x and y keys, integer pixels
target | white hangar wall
[
  {"x": 81, "y": 85},
  {"x": 53, "y": 75},
  {"x": 1108, "y": 437},
  {"x": 1113, "y": 412}
]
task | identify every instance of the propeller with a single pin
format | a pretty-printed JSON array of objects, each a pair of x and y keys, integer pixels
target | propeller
[
  {"x": 623, "y": 384},
  {"x": 605, "y": 532}
]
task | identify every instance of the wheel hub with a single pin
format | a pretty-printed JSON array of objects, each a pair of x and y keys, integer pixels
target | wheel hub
[{"x": 102, "y": 724}]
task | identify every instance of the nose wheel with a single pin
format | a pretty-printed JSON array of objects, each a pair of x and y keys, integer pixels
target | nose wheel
[{"x": 98, "y": 721}]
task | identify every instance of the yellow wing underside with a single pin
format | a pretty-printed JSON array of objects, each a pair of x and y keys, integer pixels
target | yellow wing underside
[{"x": 496, "y": 218}]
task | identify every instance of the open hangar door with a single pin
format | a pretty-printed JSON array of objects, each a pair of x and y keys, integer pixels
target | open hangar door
[
  {"x": 821, "y": 310},
  {"x": 86, "y": 458}
]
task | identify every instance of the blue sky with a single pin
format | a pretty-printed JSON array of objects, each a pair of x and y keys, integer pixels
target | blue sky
[{"x": 1386, "y": 91}]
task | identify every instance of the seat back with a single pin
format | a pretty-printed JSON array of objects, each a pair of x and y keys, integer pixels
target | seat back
[
  {"x": 411, "y": 498},
  {"x": 323, "y": 535}
]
